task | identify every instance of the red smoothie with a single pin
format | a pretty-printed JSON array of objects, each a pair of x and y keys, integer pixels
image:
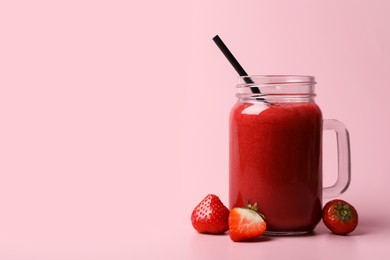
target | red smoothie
[{"x": 275, "y": 160}]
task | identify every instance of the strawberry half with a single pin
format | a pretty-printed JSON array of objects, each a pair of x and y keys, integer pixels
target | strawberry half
[
  {"x": 210, "y": 216},
  {"x": 246, "y": 223}
]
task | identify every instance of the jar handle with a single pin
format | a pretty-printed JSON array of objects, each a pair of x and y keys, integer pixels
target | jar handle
[{"x": 344, "y": 159}]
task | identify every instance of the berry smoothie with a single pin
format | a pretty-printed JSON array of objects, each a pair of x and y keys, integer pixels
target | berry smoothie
[{"x": 275, "y": 160}]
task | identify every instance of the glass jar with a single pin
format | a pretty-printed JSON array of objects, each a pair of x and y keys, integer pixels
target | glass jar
[{"x": 276, "y": 152}]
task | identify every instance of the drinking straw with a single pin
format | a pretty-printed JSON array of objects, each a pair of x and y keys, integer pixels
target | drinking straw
[{"x": 236, "y": 65}]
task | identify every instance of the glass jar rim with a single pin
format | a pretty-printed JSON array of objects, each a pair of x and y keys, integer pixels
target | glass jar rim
[
  {"x": 276, "y": 88},
  {"x": 276, "y": 79}
]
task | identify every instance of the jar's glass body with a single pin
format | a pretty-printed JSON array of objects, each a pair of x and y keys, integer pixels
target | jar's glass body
[{"x": 275, "y": 151}]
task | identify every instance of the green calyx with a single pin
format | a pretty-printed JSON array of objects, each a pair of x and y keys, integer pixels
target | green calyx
[
  {"x": 254, "y": 208},
  {"x": 343, "y": 212}
]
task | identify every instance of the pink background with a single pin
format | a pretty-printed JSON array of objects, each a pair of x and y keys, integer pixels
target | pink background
[{"x": 114, "y": 121}]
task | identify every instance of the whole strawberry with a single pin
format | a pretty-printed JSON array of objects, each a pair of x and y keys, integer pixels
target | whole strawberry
[
  {"x": 210, "y": 216},
  {"x": 246, "y": 223},
  {"x": 340, "y": 217}
]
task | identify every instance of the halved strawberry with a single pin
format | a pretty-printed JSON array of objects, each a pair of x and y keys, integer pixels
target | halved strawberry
[
  {"x": 210, "y": 216},
  {"x": 246, "y": 223}
]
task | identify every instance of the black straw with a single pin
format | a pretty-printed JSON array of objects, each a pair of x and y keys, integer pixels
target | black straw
[{"x": 240, "y": 70}]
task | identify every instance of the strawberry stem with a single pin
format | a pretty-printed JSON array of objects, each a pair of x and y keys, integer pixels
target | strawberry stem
[
  {"x": 254, "y": 207},
  {"x": 343, "y": 212}
]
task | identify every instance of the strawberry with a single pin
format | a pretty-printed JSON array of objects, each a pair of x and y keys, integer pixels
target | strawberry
[
  {"x": 340, "y": 217},
  {"x": 246, "y": 223},
  {"x": 210, "y": 216}
]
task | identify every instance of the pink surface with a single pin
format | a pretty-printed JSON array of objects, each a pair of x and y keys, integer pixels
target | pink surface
[{"x": 114, "y": 121}]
